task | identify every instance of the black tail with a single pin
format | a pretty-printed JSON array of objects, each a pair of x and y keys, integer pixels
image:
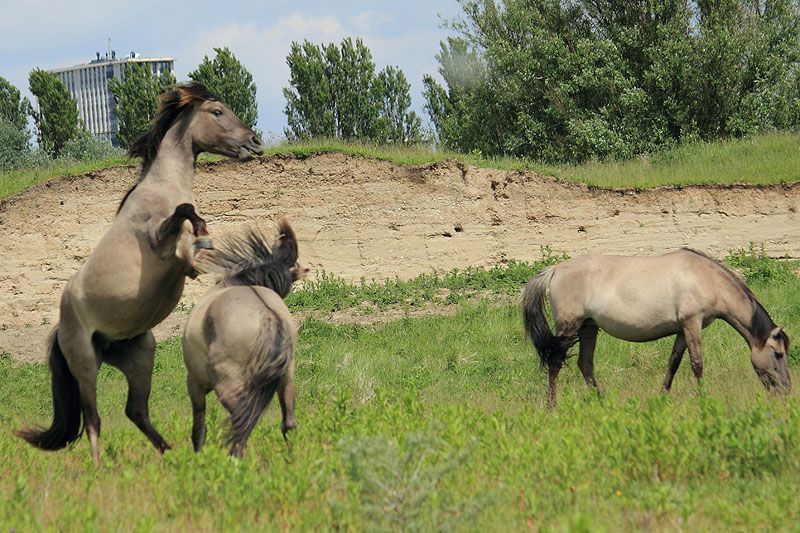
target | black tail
[
  {"x": 267, "y": 370},
  {"x": 66, "y": 426},
  {"x": 552, "y": 349}
]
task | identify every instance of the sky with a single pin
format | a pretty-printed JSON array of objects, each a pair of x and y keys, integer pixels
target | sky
[{"x": 60, "y": 33}]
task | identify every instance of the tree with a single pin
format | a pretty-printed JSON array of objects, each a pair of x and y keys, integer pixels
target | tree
[
  {"x": 136, "y": 98},
  {"x": 396, "y": 124},
  {"x": 229, "y": 80},
  {"x": 335, "y": 92},
  {"x": 570, "y": 81},
  {"x": 13, "y": 109},
  {"x": 310, "y": 105},
  {"x": 57, "y": 116}
]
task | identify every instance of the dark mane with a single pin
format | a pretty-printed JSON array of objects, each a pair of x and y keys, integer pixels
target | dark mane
[
  {"x": 761, "y": 324},
  {"x": 249, "y": 260},
  {"x": 172, "y": 106}
]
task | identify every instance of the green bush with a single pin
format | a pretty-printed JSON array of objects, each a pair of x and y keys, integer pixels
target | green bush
[
  {"x": 15, "y": 148},
  {"x": 756, "y": 267},
  {"x": 86, "y": 147}
]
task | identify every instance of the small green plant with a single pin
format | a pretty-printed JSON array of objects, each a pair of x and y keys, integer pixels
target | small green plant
[
  {"x": 397, "y": 483},
  {"x": 756, "y": 267}
]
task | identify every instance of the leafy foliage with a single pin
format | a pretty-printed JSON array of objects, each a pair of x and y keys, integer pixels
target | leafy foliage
[
  {"x": 228, "y": 79},
  {"x": 86, "y": 147},
  {"x": 756, "y": 267},
  {"x": 57, "y": 116},
  {"x": 335, "y": 93},
  {"x": 593, "y": 79},
  {"x": 136, "y": 98},
  {"x": 14, "y": 109},
  {"x": 15, "y": 148}
]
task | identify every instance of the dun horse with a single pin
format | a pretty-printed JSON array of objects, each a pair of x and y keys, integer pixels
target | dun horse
[
  {"x": 134, "y": 277},
  {"x": 642, "y": 299},
  {"x": 239, "y": 339}
]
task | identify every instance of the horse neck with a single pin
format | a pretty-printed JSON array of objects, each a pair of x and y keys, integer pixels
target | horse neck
[
  {"x": 741, "y": 308},
  {"x": 174, "y": 164}
]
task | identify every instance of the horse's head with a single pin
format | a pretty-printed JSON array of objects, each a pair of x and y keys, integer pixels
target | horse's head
[
  {"x": 214, "y": 128},
  {"x": 770, "y": 360},
  {"x": 203, "y": 120}
]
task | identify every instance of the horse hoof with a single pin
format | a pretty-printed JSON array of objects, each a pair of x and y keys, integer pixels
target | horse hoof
[{"x": 204, "y": 244}]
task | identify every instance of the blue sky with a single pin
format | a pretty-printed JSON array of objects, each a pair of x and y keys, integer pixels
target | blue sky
[{"x": 58, "y": 33}]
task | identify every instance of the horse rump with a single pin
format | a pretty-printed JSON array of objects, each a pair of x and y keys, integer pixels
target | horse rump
[
  {"x": 67, "y": 420},
  {"x": 270, "y": 365},
  {"x": 552, "y": 349}
]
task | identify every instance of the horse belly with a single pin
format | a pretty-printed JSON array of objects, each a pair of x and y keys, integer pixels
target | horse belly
[
  {"x": 639, "y": 327},
  {"x": 122, "y": 305}
]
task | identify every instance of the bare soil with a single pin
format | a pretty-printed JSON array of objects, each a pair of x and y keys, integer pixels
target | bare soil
[{"x": 358, "y": 217}]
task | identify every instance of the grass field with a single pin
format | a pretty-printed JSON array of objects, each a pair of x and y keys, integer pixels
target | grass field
[
  {"x": 436, "y": 423},
  {"x": 767, "y": 159}
]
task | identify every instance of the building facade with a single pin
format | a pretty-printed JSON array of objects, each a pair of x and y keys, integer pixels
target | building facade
[{"x": 88, "y": 85}]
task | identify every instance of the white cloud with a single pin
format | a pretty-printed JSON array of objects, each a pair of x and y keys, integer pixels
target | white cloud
[{"x": 370, "y": 20}]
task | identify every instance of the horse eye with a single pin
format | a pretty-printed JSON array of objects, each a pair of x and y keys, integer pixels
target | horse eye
[
  {"x": 778, "y": 355},
  {"x": 217, "y": 112}
]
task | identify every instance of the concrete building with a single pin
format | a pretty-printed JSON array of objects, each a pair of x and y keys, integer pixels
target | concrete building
[{"x": 88, "y": 85}]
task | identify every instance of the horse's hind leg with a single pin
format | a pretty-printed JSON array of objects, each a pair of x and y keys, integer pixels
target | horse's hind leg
[
  {"x": 587, "y": 336},
  {"x": 135, "y": 358},
  {"x": 76, "y": 344},
  {"x": 691, "y": 332},
  {"x": 286, "y": 395},
  {"x": 675, "y": 359},
  {"x": 197, "y": 394}
]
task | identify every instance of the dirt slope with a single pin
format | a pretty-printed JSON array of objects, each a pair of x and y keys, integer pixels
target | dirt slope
[{"x": 360, "y": 217}]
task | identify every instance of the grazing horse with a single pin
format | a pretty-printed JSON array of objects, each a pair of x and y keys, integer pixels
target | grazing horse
[
  {"x": 239, "y": 339},
  {"x": 134, "y": 277},
  {"x": 641, "y": 299}
]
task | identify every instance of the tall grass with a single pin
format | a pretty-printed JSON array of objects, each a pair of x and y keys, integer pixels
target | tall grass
[{"x": 434, "y": 423}]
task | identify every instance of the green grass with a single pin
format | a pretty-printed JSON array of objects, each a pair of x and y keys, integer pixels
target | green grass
[
  {"x": 436, "y": 423},
  {"x": 767, "y": 159},
  {"x": 331, "y": 293},
  {"x": 14, "y": 181}
]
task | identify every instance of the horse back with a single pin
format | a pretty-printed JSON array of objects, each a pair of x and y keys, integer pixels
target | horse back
[{"x": 622, "y": 292}]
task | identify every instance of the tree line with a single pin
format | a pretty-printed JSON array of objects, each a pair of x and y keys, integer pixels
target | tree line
[{"x": 552, "y": 80}]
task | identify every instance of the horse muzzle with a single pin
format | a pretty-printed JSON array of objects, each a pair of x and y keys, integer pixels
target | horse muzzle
[{"x": 253, "y": 148}]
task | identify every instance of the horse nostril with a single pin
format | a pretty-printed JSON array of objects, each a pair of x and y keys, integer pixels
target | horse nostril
[{"x": 256, "y": 140}]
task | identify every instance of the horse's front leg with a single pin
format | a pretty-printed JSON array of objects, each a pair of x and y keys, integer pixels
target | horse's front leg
[
  {"x": 678, "y": 350},
  {"x": 164, "y": 238}
]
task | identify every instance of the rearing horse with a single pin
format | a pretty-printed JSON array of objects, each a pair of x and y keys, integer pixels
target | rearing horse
[
  {"x": 134, "y": 277},
  {"x": 642, "y": 299}
]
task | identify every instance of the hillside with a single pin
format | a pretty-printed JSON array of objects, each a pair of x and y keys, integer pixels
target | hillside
[{"x": 358, "y": 217}]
